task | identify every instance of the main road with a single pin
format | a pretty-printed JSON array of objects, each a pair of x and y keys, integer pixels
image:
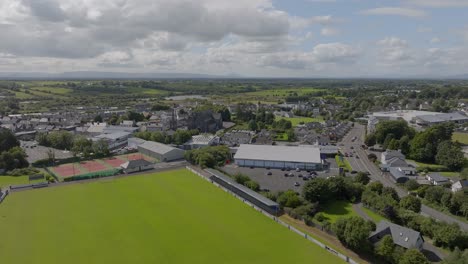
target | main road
[{"x": 360, "y": 162}]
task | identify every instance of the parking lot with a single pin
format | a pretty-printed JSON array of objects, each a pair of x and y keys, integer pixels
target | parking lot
[
  {"x": 36, "y": 152},
  {"x": 277, "y": 181}
]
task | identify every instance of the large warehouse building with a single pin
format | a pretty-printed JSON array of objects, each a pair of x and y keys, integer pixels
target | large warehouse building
[
  {"x": 267, "y": 156},
  {"x": 160, "y": 151}
]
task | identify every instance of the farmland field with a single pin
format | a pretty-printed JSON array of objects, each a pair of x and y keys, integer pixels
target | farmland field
[{"x": 170, "y": 217}]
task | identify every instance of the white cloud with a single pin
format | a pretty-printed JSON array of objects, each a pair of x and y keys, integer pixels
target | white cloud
[
  {"x": 439, "y": 3},
  {"x": 435, "y": 40},
  {"x": 394, "y": 51},
  {"x": 395, "y": 11},
  {"x": 329, "y": 31}
]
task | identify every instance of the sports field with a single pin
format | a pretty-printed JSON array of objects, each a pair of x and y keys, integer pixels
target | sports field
[
  {"x": 98, "y": 165},
  {"x": 170, "y": 217}
]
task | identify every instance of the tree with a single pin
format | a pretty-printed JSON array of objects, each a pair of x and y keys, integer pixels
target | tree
[
  {"x": 370, "y": 140},
  {"x": 353, "y": 232},
  {"x": 241, "y": 178},
  {"x": 316, "y": 191},
  {"x": 253, "y": 185},
  {"x": 423, "y": 147},
  {"x": 433, "y": 194},
  {"x": 411, "y": 185},
  {"x": 411, "y": 203},
  {"x": 457, "y": 257},
  {"x": 98, "y": 119},
  {"x": 8, "y": 140},
  {"x": 385, "y": 248},
  {"x": 289, "y": 198},
  {"x": 101, "y": 148},
  {"x": 450, "y": 155},
  {"x": 413, "y": 256},
  {"x": 362, "y": 177},
  {"x": 253, "y": 125}
]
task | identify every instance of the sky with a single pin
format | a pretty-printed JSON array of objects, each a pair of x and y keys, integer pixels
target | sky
[{"x": 251, "y": 38}]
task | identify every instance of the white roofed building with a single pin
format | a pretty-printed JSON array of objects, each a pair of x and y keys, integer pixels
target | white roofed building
[{"x": 292, "y": 157}]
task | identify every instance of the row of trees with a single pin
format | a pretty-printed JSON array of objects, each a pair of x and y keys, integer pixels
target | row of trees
[
  {"x": 209, "y": 157},
  {"x": 77, "y": 144},
  {"x": 179, "y": 137},
  {"x": 12, "y": 156},
  {"x": 432, "y": 145}
]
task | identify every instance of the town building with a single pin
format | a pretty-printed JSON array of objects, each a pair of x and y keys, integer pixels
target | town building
[
  {"x": 267, "y": 156},
  {"x": 160, "y": 151},
  {"x": 436, "y": 179},
  {"x": 460, "y": 185}
]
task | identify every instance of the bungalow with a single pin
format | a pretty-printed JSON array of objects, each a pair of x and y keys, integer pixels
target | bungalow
[
  {"x": 460, "y": 186},
  {"x": 136, "y": 166},
  {"x": 401, "y": 236},
  {"x": 436, "y": 179}
]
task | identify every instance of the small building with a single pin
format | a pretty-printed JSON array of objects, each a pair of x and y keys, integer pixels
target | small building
[
  {"x": 160, "y": 151},
  {"x": 244, "y": 192},
  {"x": 460, "y": 186},
  {"x": 398, "y": 175},
  {"x": 388, "y": 155},
  {"x": 200, "y": 141},
  {"x": 401, "y": 236},
  {"x": 115, "y": 139},
  {"x": 292, "y": 157},
  {"x": 138, "y": 165},
  {"x": 436, "y": 179}
]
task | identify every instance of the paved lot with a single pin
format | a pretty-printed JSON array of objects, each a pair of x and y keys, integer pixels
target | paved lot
[
  {"x": 277, "y": 181},
  {"x": 36, "y": 152}
]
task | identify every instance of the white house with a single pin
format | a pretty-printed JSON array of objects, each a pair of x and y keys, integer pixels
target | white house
[{"x": 460, "y": 185}]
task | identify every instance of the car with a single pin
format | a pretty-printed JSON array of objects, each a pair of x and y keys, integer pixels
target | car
[
  {"x": 286, "y": 175},
  {"x": 267, "y": 168},
  {"x": 314, "y": 173},
  {"x": 283, "y": 169},
  {"x": 351, "y": 147},
  {"x": 353, "y": 172},
  {"x": 291, "y": 174},
  {"x": 298, "y": 170},
  {"x": 297, "y": 184},
  {"x": 350, "y": 154},
  {"x": 357, "y": 157},
  {"x": 288, "y": 169},
  {"x": 305, "y": 178},
  {"x": 251, "y": 167},
  {"x": 269, "y": 173},
  {"x": 300, "y": 175},
  {"x": 346, "y": 155},
  {"x": 367, "y": 173}
]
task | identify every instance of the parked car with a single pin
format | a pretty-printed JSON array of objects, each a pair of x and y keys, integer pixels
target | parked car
[
  {"x": 298, "y": 170},
  {"x": 297, "y": 184},
  {"x": 269, "y": 173},
  {"x": 353, "y": 172},
  {"x": 300, "y": 175}
]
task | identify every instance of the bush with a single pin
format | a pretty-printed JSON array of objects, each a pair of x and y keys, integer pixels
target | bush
[{"x": 253, "y": 185}]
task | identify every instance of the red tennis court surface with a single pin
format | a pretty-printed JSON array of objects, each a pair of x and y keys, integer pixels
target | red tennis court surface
[
  {"x": 67, "y": 170},
  {"x": 114, "y": 162},
  {"x": 93, "y": 166}
]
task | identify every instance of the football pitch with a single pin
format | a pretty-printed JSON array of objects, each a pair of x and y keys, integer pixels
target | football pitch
[{"x": 168, "y": 217}]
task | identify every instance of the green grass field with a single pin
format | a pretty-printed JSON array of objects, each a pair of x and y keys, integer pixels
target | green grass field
[
  {"x": 460, "y": 137},
  {"x": 374, "y": 216},
  {"x": 170, "y": 217},
  {"x": 428, "y": 165},
  {"x": 296, "y": 120},
  {"x": 336, "y": 209},
  {"x": 13, "y": 180}
]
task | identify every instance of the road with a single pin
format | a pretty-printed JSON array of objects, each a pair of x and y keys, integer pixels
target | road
[{"x": 364, "y": 164}]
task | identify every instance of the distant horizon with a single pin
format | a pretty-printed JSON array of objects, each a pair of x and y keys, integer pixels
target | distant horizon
[{"x": 254, "y": 38}]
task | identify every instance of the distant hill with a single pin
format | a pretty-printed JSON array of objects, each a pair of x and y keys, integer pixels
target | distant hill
[{"x": 105, "y": 75}]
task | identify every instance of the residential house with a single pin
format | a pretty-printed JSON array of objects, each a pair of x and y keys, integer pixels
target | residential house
[
  {"x": 436, "y": 179},
  {"x": 460, "y": 185},
  {"x": 401, "y": 236},
  {"x": 390, "y": 154}
]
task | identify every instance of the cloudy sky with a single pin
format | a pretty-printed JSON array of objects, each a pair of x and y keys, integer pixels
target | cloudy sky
[{"x": 258, "y": 38}]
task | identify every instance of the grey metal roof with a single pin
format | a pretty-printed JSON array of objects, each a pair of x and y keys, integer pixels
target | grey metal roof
[
  {"x": 157, "y": 147},
  {"x": 443, "y": 117},
  {"x": 244, "y": 189},
  {"x": 135, "y": 163},
  {"x": 401, "y": 236},
  {"x": 437, "y": 177},
  {"x": 279, "y": 153},
  {"x": 396, "y": 173}
]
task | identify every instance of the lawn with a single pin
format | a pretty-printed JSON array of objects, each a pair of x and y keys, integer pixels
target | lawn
[
  {"x": 450, "y": 173},
  {"x": 295, "y": 121},
  {"x": 170, "y": 217},
  {"x": 281, "y": 137},
  {"x": 428, "y": 165},
  {"x": 13, "y": 180},
  {"x": 460, "y": 137},
  {"x": 336, "y": 209},
  {"x": 374, "y": 216}
]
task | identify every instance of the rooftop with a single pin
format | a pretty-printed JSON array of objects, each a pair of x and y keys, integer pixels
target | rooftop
[
  {"x": 157, "y": 147},
  {"x": 401, "y": 236},
  {"x": 279, "y": 153}
]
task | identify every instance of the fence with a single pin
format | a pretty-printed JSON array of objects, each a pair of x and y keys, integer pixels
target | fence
[
  {"x": 3, "y": 194},
  {"x": 331, "y": 250},
  {"x": 93, "y": 175}
]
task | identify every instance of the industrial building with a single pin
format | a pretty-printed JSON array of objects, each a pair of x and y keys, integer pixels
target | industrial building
[
  {"x": 160, "y": 151},
  {"x": 267, "y": 156}
]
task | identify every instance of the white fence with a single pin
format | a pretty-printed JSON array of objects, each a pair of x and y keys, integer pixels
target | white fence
[{"x": 331, "y": 250}]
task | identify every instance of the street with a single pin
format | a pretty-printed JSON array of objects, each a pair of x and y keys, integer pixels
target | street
[{"x": 364, "y": 164}]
